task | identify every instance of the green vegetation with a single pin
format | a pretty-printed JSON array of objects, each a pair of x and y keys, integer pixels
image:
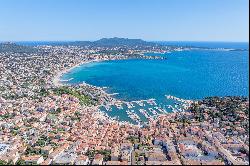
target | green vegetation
[
  {"x": 133, "y": 139},
  {"x": 2, "y": 88},
  {"x": 113, "y": 42},
  {"x": 84, "y": 99},
  {"x": 37, "y": 151},
  {"x": 10, "y": 97},
  {"x": 20, "y": 162},
  {"x": 230, "y": 112},
  {"x": 3, "y": 162},
  {"x": 6, "y": 116},
  {"x": 44, "y": 92},
  {"x": 60, "y": 130},
  {"x": 43, "y": 141},
  {"x": 105, "y": 153},
  {"x": 77, "y": 113},
  {"x": 31, "y": 151},
  {"x": 25, "y": 85},
  {"x": 53, "y": 112},
  {"x": 90, "y": 153},
  {"x": 14, "y": 132},
  {"x": 75, "y": 118},
  {"x": 54, "y": 145},
  {"x": 53, "y": 131},
  {"x": 147, "y": 148}
]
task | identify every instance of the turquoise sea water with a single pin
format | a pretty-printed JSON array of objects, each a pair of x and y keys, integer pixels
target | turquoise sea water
[
  {"x": 231, "y": 45},
  {"x": 188, "y": 74}
]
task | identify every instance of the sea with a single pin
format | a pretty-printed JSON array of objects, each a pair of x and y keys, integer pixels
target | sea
[{"x": 191, "y": 74}]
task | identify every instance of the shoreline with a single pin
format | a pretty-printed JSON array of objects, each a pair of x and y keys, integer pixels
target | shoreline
[
  {"x": 56, "y": 82},
  {"x": 56, "y": 79}
]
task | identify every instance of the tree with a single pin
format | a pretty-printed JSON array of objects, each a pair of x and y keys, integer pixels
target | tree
[
  {"x": 20, "y": 162},
  {"x": 3, "y": 162},
  {"x": 59, "y": 110}
]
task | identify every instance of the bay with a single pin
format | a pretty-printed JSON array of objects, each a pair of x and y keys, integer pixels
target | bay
[{"x": 186, "y": 74}]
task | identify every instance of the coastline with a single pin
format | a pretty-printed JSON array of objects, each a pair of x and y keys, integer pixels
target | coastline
[
  {"x": 56, "y": 79},
  {"x": 57, "y": 82},
  {"x": 47, "y": 107}
]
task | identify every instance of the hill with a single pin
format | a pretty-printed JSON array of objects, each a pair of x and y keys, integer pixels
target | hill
[
  {"x": 122, "y": 42},
  {"x": 113, "y": 42},
  {"x": 15, "y": 48}
]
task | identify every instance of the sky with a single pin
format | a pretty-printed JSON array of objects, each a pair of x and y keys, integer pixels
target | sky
[{"x": 152, "y": 20}]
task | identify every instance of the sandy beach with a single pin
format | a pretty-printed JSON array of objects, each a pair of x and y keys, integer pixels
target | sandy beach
[{"x": 56, "y": 80}]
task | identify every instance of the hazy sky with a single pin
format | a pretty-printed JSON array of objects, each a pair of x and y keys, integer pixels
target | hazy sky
[{"x": 169, "y": 20}]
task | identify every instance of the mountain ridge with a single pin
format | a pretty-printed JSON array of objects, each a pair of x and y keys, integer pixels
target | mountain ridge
[{"x": 115, "y": 41}]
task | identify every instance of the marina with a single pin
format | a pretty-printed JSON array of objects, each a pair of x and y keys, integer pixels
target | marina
[
  {"x": 139, "y": 112},
  {"x": 66, "y": 80},
  {"x": 159, "y": 87},
  {"x": 124, "y": 82}
]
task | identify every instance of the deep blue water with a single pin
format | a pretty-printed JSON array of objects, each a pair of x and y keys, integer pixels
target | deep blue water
[
  {"x": 232, "y": 45},
  {"x": 188, "y": 74}
]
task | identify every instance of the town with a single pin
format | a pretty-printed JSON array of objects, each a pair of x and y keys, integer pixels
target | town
[{"x": 44, "y": 122}]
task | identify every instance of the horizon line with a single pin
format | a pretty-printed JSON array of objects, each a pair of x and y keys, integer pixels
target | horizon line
[{"x": 124, "y": 38}]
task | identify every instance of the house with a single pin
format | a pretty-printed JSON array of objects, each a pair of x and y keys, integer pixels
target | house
[
  {"x": 98, "y": 160},
  {"x": 58, "y": 151},
  {"x": 115, "y": 153},
  {"x": 125, "y": 155},
  {"x": 116, "y": 163},
  {"x": 65, "y": 158},
  {"x": 158, "y": 141},
  {"x": 12, "y": 155},
  {"x": 161, "y": 163},
  {"x": 212, "y": 152},
  {"x": 191, "y": 162},
  {"x": 47, "y": 150},
  {"x": 156, "y": 156},
  {"x": 126, "y": 150},
  {"x": 3, "y": 148},
  {"x": 82, "y": 148},
  {"x": 48, "y": 161},
  {"x": 82, "y": 160},
  {"x": 189, "y": 153},
  {"x": 213, "y": 162},
  {"x": 36, "y": 159}
]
